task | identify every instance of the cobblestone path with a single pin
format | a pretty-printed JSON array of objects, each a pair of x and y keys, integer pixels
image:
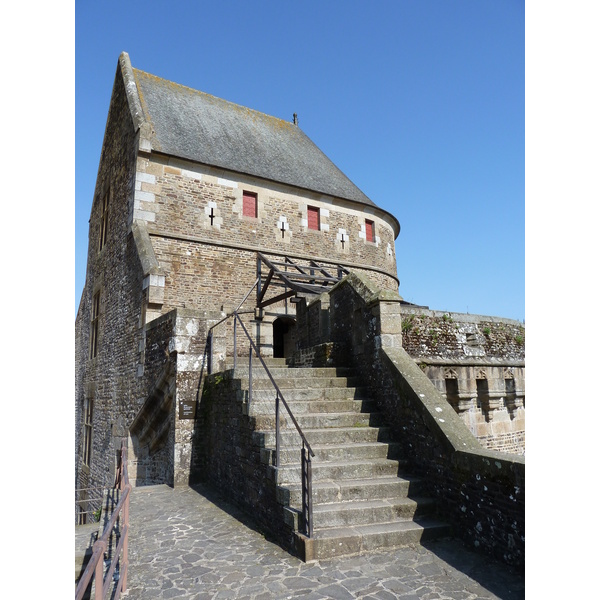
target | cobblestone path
[{"x": 187, "y": 543}]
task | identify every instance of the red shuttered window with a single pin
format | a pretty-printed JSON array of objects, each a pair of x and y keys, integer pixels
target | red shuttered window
[
  {"x": 313, "y": 218},
  {"x": 370, "y": 230},
  {"x": 250, "y": 205}
]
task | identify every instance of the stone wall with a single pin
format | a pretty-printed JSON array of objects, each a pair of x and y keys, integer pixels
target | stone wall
[
  {"x": 452, "y": 337},
  {"x": 151, "y": 434},
  {"x": 189, "y": 199},
  {"x": 228, "y": 455},
  {"x": 478, "y": 364},
  {"x": 480, "y": 491},
  {"x": 207, "y": 248},
  {"x": 114, "y": 272},
  {"x": 162, "y": 433}
]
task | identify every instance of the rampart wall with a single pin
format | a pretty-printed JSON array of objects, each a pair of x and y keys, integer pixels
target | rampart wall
[{"x": 478, "y": 364}]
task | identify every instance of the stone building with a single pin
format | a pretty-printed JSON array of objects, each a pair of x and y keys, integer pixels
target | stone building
[
  {"x": 190, "y": 187},
  {"x": 201, "y": 204}
]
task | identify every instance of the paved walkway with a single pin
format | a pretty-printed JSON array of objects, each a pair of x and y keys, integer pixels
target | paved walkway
[{"x": 188, "y": 543}]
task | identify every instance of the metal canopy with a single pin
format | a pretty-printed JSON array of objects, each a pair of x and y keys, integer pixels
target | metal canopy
[{"x": 293, "y": 277}]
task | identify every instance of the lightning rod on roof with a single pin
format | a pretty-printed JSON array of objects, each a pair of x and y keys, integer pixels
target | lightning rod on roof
[{"x": 295, "y": 119}]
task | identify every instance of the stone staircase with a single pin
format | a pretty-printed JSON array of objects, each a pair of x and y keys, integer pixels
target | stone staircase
[{"x": 363, "y": 498}]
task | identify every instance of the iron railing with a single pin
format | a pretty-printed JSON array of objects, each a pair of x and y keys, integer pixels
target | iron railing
[
  {"x": 88, "y": 504},
  {"x": 306, "y": 452},
  {"x": 293, "y": 277},
  {"x": 117, "y": 529}
]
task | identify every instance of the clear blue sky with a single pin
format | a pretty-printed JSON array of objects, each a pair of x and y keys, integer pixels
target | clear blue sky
[{"x": 420, "y": 103}]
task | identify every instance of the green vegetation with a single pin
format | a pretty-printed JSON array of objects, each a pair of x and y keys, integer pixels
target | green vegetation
[{"x": 407, "y": 323}]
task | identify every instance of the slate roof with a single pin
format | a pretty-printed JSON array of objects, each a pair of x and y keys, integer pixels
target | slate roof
[{"x": 197, "y": 126}]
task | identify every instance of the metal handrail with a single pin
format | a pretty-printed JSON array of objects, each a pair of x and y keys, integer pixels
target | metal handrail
[
  {"x": 95, "y": 568},
  {"x": 306, "y": 451},
  {"x": 305, "y": 459},
  {"x": 280, "y": 395},
  {"x": 229, "y": 315}
]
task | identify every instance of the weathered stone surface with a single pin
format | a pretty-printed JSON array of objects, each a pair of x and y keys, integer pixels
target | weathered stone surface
[{"x": 235, "y": 559}]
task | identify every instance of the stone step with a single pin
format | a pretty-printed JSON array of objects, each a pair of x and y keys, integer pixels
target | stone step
[
  {"x": 360, "y": 503},
  {"x": 364, "y": 512},
  {"x": 265, "y": 422},
  {"x": 258, "y": 406},
  {"x": 329, "y": 420},
  {"x": 338, "y": 435},
  {"x": 352, "y": 489},
  {"x": 332, "y": 453},
  {"x": 269, "y": 361},
  {"x": 315, "y": 393},
  {"x": 258, "y": 371},
  {"x": 349, "y": 540},
  {"x": 338, "y": 470},
  {"x": 299, "y": 383}
]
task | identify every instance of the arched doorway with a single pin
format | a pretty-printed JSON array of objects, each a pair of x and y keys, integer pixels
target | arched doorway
[{"x": 284, "y": 337}]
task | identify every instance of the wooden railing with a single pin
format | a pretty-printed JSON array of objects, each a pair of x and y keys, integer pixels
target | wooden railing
[{"x": 119, "y": 526}]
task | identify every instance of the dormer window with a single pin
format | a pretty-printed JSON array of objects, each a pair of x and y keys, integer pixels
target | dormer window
[
  {"x": 250, "y": 208},
  {"x": 314, "y": 218}
]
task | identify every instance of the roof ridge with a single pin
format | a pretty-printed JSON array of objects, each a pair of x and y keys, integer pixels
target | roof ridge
[{"x": 217, "y": 98}]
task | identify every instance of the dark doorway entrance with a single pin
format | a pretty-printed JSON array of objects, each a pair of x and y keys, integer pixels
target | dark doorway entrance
[{"x": 284, "y": 330}]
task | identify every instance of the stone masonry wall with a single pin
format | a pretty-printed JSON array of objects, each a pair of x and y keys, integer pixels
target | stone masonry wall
[
  {"x": 207, "y": 248},
  {"x": 430, "y": 334},
  {"x": 184, "y": 199},
  {"x": 150, "y": 457},
  {"x": 162, "y": 433},
  {"x": 228, "y": 455},
  {"x": 478, "y": 364},
  {"x": 113, "y": 272}
]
